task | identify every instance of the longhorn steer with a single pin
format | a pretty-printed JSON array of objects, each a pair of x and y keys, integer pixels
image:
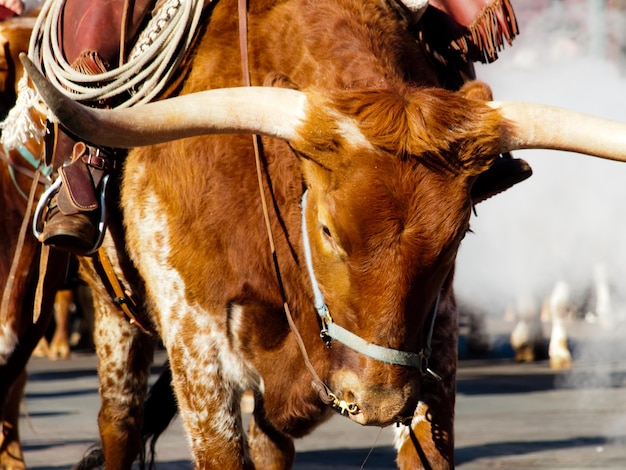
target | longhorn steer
[{"x": 387, "y": 159}]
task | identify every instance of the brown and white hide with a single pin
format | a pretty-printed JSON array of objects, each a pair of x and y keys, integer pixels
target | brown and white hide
[{"x": 376, "y": 190}]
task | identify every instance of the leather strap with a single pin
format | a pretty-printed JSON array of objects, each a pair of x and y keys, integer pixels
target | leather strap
[
  {"x": 39, "y": 171},
  {"x": 78, "y": 191},
  {"x": 43, "y": 269},
  {"x": 122, "y": 298},
  {"x": 324, "y": 393}
]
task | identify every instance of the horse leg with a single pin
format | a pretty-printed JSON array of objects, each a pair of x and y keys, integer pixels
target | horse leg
[
  {"x": 59, "y": 347},
  {"x": 558, "y": 350},
  {"x": 42, "y": 349},
  {"x": 11, "y": 456},
  {"x": 22, "y": 334}
]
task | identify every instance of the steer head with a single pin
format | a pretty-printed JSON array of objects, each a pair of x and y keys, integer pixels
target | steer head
[
  {"x": 388, "y": 190},
  {"x": 389, "y": 175}
]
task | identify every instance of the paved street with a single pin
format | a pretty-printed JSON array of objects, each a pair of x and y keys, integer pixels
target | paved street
[{"x": 508, "y": 415}]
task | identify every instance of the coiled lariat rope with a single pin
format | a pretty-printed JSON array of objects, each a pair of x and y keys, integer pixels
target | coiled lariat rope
[{"x": 152, "y": 61}]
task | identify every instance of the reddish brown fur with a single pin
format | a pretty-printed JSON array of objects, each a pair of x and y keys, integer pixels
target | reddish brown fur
[
  {"x": 396, "y": 213},
  {"x": 441, "y": 129}
]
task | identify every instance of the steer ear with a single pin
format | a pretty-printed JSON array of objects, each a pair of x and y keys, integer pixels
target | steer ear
[
  {"x": 494, "y": 175},
  {"x": 504, "y": 173}
]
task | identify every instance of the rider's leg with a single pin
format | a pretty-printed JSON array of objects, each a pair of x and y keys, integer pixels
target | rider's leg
[{"x": 92, "y": 33}]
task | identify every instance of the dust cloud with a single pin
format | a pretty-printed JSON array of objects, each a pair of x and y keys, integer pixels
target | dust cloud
[{"x": 568, "y": 221}]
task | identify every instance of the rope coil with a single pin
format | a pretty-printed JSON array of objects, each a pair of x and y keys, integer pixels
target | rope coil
[{"x": 151, "y": 63}]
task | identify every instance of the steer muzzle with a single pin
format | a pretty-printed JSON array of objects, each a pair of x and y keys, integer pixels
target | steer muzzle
[{"x": 370, "y": 401}]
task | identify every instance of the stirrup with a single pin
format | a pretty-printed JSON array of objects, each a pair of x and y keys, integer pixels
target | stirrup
[{"x": 45, "y": 201}]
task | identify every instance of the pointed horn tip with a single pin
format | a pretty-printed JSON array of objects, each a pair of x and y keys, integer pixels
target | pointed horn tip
[
  {"x": 24, "y": 59},
  {"x": 49, "y": 94},
  {"x": 31, "y": 69}
]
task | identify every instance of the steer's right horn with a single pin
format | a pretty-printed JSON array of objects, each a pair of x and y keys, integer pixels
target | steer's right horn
[
  {"x": 274, "y": 112},
  {"x": 536, "y": 126}
]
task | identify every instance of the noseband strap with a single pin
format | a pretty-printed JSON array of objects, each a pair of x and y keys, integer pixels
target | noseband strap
[{"x": 330, "y": 330}]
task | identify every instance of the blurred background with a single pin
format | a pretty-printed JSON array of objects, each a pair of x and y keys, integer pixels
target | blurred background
[{"x": 567, "y": 223}]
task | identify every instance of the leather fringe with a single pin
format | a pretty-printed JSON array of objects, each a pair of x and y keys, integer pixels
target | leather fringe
[
  {"x": 486, "y": 36},
  {"x": 90, "y": 63}
]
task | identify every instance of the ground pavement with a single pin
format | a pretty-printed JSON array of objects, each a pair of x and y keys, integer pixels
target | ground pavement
[{"x": 513, "y": 416}]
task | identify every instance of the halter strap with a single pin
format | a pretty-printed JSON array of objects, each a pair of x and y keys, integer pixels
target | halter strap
[{"x": 330, "y": 330}]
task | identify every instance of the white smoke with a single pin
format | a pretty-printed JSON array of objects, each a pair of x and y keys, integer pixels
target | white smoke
[
  {"x": 569, "y": 218},
  {"x": 568, "y": 221}
]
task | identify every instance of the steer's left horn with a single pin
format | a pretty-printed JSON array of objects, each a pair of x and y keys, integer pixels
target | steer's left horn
[
  {"x": 274, "y": 112},
  {"x": 534, "y": 126}
]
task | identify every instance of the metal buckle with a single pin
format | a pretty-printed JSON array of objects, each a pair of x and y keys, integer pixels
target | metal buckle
[
  {"x": 325, "y": 317},
  {"x": 424, "y": 355},
  {"x": 98, "y": 159},
  {"x": 102, "y": 224}
]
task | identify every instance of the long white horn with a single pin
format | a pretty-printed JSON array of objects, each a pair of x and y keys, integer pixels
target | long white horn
[
  {"x": 534, "y": 126},
  {"x": 274, "y": 112}
]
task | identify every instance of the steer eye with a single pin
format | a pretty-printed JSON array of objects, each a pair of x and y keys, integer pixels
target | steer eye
[
  {"x": 328, "y": 238},
  {"x": 331, "y": 242}
]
